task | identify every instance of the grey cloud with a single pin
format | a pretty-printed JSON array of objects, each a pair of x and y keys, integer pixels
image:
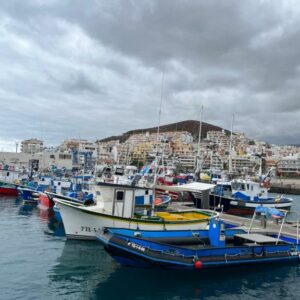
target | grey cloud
[{"x": 94, "y": 70}]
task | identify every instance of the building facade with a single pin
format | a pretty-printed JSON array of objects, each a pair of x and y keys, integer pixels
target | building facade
[{"x": 32, "y": 146}]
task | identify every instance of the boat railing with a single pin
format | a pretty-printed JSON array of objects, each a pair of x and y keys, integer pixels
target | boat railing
[
  {"x": 297, "y": 213},
  {"x": 281, "y": 226},
  {"x": 284, "y": 220},
  {"x": 285, "y": 212}
]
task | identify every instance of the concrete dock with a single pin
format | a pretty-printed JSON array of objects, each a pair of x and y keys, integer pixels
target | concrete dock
[{"x": 271, "y": 226}]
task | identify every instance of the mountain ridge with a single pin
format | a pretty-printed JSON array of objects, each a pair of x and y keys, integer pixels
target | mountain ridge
[{"x": 190, "y": 126}]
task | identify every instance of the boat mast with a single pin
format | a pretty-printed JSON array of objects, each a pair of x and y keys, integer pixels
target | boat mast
[
  {"x": 200, "y": 129},
  {"x": 198, "y": 165},
  {"x": 158, "y": 128},
  {"x": 230, "y": 146},
  {"x": 260, "y": 167}
]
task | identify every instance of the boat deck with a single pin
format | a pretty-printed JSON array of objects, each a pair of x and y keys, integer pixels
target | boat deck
[{"x": 256, "y": 238}]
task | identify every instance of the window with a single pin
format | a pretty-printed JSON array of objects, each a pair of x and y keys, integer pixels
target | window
[
  {"x": 52, "y": 156},
  {"x": 120, "y": 195},
  {"x": 64, "y": 156},
  {"x": 237, "y": 186}
]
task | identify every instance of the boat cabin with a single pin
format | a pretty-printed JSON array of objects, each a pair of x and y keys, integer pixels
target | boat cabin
[
  {"x": 9, "y": 176},
  {"x": 248, "y": 190},
  {"x": 122, "y": 200},
  {"x": 223, "y": 188}
]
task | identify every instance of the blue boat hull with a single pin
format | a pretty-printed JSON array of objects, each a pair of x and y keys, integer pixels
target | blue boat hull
[
  {"x": 143, "y": 253},
  {"x": 29, "y": 195}
]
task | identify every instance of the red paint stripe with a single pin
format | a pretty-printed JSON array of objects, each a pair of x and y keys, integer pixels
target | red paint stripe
[{"x": 9, "y": 191}]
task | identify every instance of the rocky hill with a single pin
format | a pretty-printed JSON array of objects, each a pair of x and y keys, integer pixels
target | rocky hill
[{"x": 189, "y": 126}]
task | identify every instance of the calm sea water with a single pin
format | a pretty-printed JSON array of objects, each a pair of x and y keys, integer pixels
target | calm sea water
[{"x": 36, "y": 262}]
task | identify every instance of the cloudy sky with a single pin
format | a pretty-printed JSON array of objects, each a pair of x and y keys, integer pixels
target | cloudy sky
[{"x": 91, "y": 69}]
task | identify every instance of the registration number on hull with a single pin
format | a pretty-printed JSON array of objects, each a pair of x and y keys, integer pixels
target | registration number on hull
[
  {"x": 89, "y": 229},
  {"x": 136, "y": 246}
]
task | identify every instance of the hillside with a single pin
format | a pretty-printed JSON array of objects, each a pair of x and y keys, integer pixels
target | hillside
[{"x": 189, "y": 126}]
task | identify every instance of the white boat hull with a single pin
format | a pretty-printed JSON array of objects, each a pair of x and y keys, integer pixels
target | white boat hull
[{"x": 83, "y": 223}]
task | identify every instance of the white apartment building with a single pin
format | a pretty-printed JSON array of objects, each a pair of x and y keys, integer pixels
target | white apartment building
[
  {"x": 242, "y": 164},
  {"x": 289, "y": 165},
  {"x": 45, "y": 160},
  {"x": 32, "y": 146},
  {"x": 106, "y": 151}
]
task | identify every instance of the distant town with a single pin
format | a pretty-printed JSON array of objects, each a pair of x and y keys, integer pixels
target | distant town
[{"x": 177, "y": 143}]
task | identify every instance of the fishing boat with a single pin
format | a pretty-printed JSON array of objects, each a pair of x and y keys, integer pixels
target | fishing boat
[
  {"x": 31, "y": 192},
  {"x": 124, "y": 206},
  {"x": 8, "y": 189},
  {"x": 241, "y": 197},
  {"x": 9, "y": 181},
  {"x": 28, "y": 194},
  {"x": 216, "y": 248},
  {"x": 77, "y": 187}
]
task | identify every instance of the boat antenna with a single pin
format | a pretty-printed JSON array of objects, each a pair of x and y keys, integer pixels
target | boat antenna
[{"x": 230, "y": 146}]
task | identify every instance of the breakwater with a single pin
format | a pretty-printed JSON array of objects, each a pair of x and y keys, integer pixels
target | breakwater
[{"x": 285, "y": 186}]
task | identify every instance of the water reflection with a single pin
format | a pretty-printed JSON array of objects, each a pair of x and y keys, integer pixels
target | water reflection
[
  {"x": 45, "y": 214},
  {"x": 228, "y": 283},
  {"x": 6, "y": 202},
  {"x": 26, "y": 209},
  {"x": 18, "y": 201},
  {"x": 55, "y": 227},
  {"x": 80, "y": 268}
]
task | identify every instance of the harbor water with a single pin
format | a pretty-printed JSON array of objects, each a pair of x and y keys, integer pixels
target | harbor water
[{"x": 37, "y": 262}]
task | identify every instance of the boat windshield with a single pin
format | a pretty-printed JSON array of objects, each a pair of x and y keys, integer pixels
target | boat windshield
[{"x": 238, "y": 186}]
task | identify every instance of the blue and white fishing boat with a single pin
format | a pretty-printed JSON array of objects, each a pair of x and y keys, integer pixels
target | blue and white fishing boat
[
  {"x": 241, "y": 197},
  {"x": 31, "y": 192},
  {"x": 216, "y": 248},
  {"x": 28, "y": 194},
  {"x": 76, "y": 187}
]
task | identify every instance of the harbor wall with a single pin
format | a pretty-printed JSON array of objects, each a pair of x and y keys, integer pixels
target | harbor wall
[{"x": 285, "y": 186}]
